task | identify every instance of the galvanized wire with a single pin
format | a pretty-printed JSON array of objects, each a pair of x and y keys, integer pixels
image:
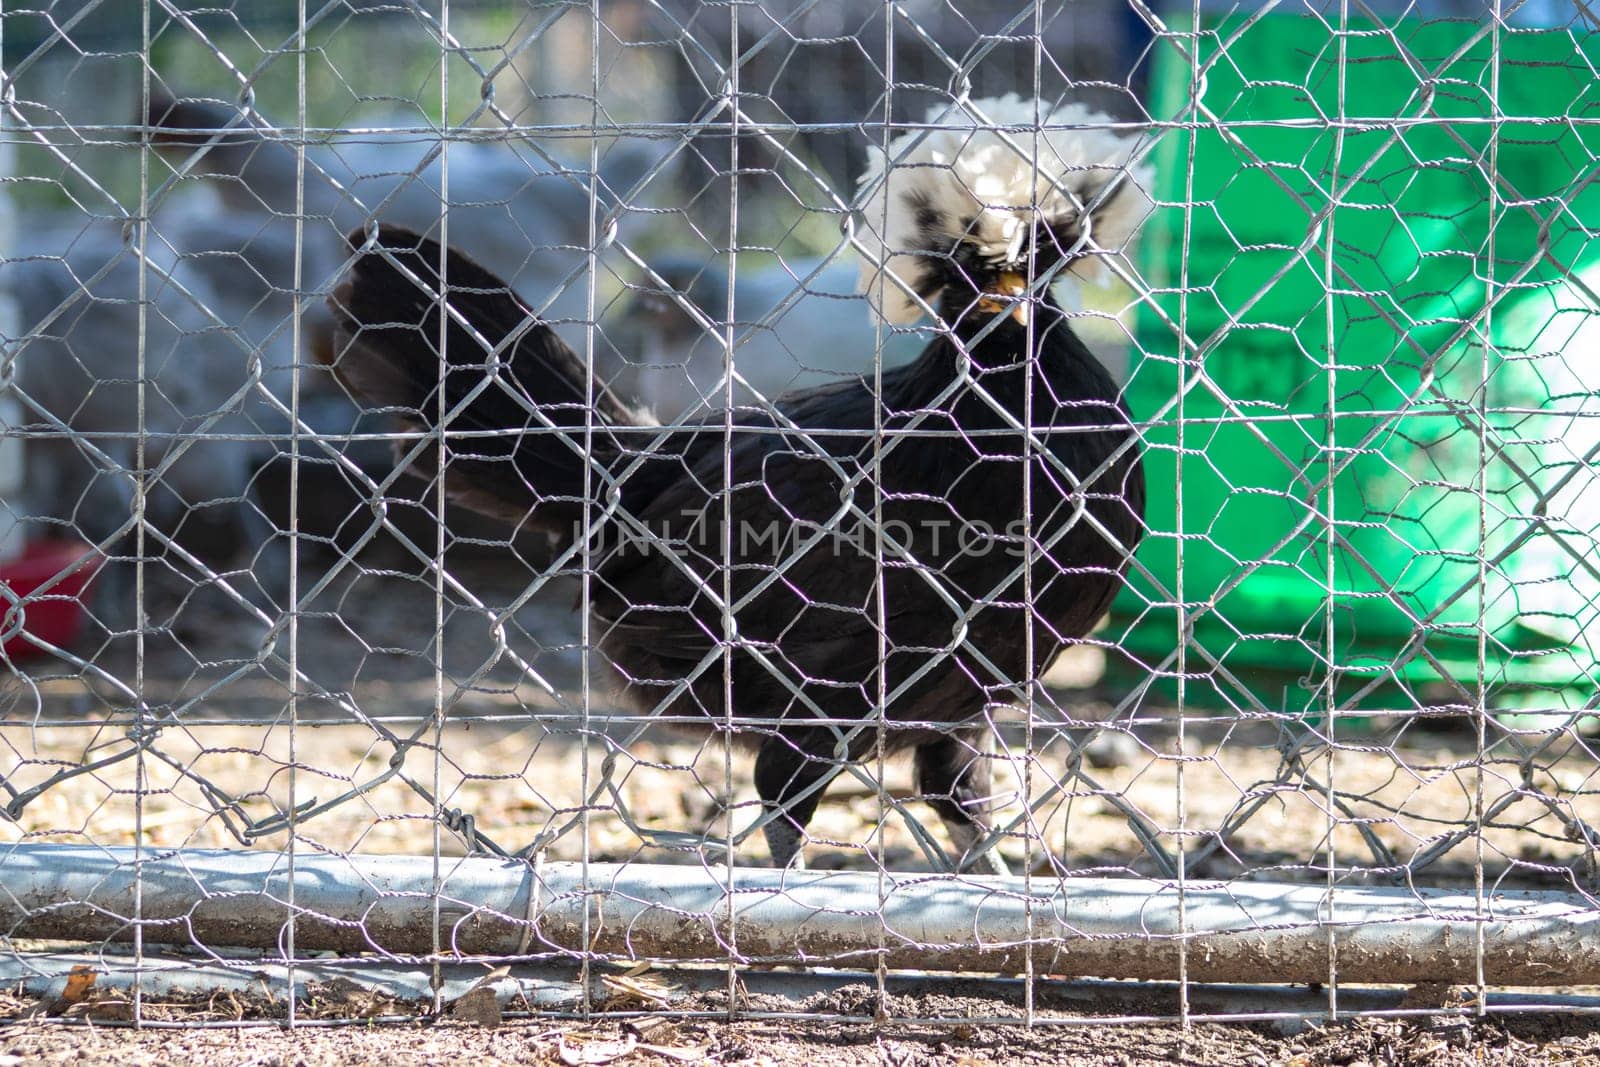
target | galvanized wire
[{"x": 1384, "y": 674}]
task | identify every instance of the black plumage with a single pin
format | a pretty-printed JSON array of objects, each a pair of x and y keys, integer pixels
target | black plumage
[{"x": 828, "y": 625}]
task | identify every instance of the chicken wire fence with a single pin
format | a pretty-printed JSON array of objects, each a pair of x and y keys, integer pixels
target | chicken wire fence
[{"x": 284, "y": 721}]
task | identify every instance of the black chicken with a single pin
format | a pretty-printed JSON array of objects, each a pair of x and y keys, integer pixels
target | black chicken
[{"x": 857, "y": 559}]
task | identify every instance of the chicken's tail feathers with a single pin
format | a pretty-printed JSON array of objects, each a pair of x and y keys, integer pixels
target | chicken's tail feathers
[{"x": 522, "y": 432}]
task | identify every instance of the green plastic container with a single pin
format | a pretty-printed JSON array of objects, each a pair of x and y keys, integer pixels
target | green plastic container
[{"x": 1389, "y": 361}]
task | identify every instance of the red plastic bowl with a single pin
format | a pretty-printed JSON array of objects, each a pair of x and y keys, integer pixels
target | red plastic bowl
[{"x": 57, "y": 616}]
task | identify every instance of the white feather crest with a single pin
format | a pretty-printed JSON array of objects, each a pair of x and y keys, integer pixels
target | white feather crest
[{"x": 969, "y": 169}]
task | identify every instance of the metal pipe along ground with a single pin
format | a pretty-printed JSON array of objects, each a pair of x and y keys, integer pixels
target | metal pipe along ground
[{"x": 1078, "y": 927}]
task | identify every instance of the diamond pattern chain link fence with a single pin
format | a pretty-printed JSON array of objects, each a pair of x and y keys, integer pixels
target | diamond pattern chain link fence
[{"x": 275, "y": 705}]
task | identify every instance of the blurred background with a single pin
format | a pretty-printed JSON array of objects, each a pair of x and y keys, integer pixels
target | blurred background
[{"x": 629, "y": 166}]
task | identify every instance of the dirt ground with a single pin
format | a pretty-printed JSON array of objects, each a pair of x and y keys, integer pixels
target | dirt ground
[
  {"x": 230, "y": 747},
  {"x": 232, "y": 742},
  {"x": 1519, "y": 1040}
]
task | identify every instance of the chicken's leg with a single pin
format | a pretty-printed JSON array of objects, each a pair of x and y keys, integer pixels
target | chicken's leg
[
  {"x": 954, "y": 775},
  {"x": 784, "y": 770}
]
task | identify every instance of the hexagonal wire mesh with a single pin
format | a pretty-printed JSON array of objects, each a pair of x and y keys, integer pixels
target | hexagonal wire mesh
[{"x": 251, "y": 655}]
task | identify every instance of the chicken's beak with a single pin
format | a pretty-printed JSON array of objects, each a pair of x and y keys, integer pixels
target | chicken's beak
[{"x": 1011, "y": 288}]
